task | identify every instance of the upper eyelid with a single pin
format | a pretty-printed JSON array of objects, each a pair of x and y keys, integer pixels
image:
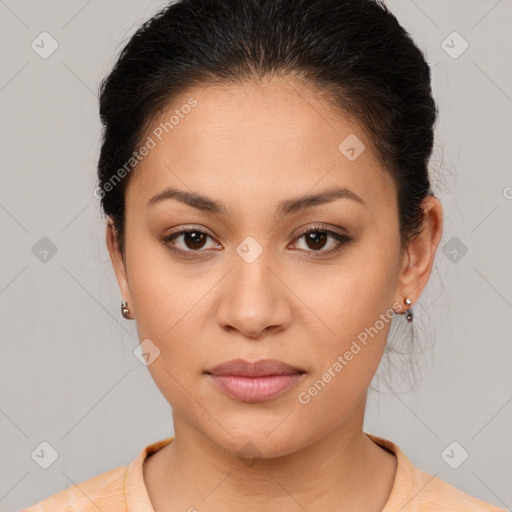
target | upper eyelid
[
  {"x": 317, "y": 227},
  {"x": 301, "y": 231}
]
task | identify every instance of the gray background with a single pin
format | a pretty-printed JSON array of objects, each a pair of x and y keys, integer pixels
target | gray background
[{"x": 68, "y": 374}]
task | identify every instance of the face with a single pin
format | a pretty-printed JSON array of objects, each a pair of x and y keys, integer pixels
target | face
[{"x": 259, "y": 275}]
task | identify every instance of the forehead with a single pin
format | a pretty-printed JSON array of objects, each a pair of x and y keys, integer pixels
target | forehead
[{"x": 274, "y": 136}]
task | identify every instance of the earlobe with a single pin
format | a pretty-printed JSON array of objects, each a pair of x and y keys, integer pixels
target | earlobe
[{"x": 420, "y": 252}]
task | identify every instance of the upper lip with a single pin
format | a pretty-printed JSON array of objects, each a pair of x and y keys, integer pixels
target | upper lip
[{"x": 261, "y": 368}]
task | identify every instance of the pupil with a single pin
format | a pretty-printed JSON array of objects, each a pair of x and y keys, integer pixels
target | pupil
[
  {"x": 194, "y": 237},
  {"x": 315, "y": 238}
]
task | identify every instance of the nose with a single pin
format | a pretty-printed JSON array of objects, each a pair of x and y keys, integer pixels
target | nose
[{"x": 253, "y": 299}]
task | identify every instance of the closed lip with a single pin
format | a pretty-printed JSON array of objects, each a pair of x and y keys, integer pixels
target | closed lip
[{"x": 260, "y": 368}]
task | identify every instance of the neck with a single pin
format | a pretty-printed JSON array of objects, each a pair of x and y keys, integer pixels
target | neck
[{"x": 335, "y": 472}]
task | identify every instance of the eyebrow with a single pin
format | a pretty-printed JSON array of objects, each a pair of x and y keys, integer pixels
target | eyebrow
[{"x": 205, "y": 203}]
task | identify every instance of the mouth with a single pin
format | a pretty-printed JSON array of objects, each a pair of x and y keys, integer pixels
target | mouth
[{"x": 255, "y": 382}]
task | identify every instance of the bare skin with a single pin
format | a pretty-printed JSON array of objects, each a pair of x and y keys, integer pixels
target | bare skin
[{"x": 251, "y": 147}]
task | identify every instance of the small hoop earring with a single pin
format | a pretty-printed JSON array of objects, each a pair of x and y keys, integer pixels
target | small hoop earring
[{"x": 125, "y": 311}]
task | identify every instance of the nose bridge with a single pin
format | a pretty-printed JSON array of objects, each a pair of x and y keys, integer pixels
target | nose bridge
[{"x": 252, "y": 261}]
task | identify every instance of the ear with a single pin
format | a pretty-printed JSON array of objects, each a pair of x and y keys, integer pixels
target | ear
[
  {"x": 418, "y": 258},
  {"x": 118, "y": 262}
]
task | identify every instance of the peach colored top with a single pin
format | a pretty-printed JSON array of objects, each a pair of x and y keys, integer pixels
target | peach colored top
[{"x": 123, "y": 489}]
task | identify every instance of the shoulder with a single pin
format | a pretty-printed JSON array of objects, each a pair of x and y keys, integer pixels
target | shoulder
[
  {"x": 122, "y": 488},
  {"x": 102, "y": 492},
  {"x": 427, "y": 493},
  {"x": 415, "y": 490}
]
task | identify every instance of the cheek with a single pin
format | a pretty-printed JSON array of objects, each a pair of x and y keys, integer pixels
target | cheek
[
  {"x": 344, "y": 362},
  {"x": 354, "y": 303},
  {"x": 162, "y": 291},
  {"x": 351, "y": 295}
]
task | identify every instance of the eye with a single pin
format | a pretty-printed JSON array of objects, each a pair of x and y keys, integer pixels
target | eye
[
  {"x": 192, "y": 240},
  {"x": 317, "y": 237}
]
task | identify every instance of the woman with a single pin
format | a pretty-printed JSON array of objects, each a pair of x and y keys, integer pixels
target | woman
[{"x": 264, "y": 173}]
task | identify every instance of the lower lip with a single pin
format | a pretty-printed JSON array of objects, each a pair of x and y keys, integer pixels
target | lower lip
[{"x": 255, "y": 389}]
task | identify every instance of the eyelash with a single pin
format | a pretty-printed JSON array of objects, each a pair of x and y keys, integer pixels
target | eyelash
[{"x": 341, "y": 239}]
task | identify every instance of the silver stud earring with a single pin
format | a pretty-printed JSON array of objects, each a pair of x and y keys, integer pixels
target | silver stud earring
[
  {"x": 125, "y": 311},
  {"x": 408, "y": 312}
]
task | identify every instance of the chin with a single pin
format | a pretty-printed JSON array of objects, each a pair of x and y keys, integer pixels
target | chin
[{"x": 248, "y": 441}]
